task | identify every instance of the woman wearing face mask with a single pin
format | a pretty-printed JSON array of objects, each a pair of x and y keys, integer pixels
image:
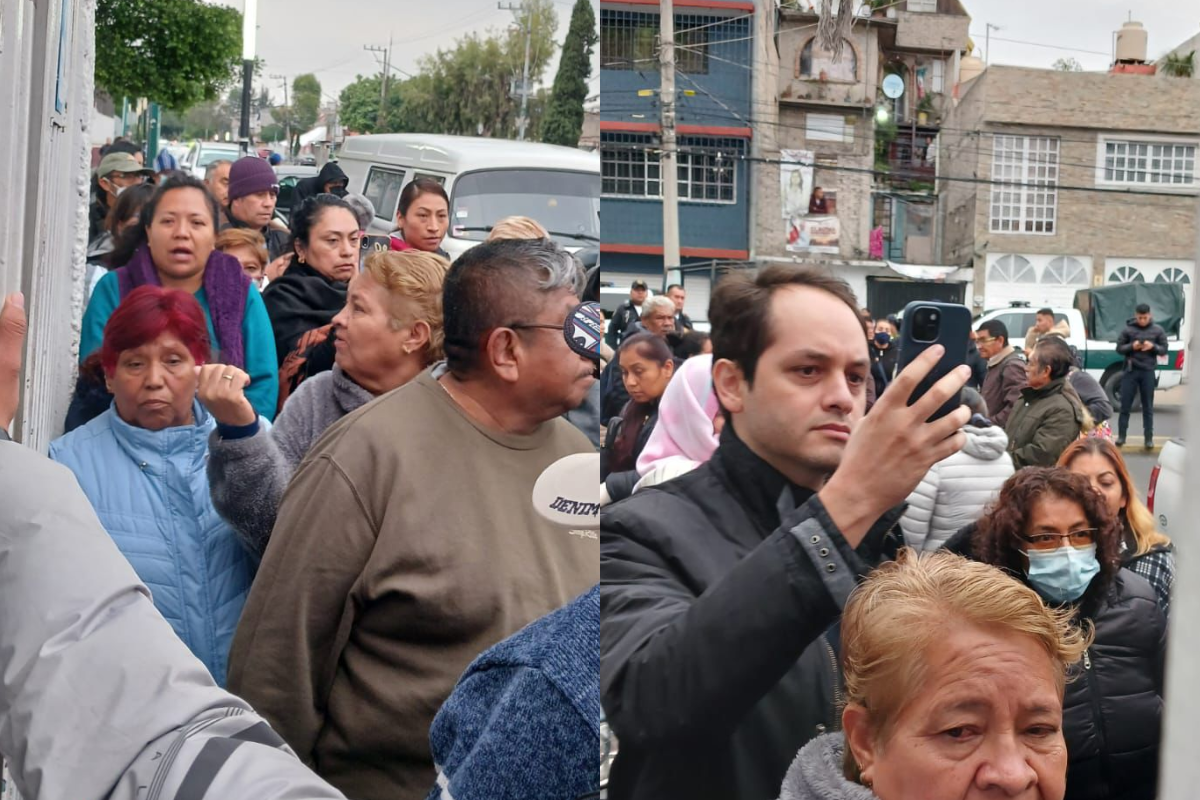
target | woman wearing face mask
[
  {"x": 389, "y": 330},
  {"x": 141, "y": 464},
  {"x": 1144, "y": 550},
  {"x": 173, "y": 246},
  {"x": 884, "y": 354},
  {"x": 1052, "y": 531},
  {"x": 422, "y": 217},
  {"x": 303, "y": 301},
  {"x": 646, "y": 365}
]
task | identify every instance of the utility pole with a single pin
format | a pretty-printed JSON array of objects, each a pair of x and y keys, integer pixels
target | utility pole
[
  {"x": 669, "y": 170},
  {"x": 527, "y": 26},
  {"x": 287, "y": 120},
  {"x": 987, "y": 56},
  {"x": 383, "y": 80}
]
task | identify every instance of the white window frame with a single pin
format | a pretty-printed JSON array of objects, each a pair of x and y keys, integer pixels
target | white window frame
[
  {"x": 922, "y": 6},
  {"x": 646, "y": 158},
  {"x": 1152, "y": 182},
  {"x": 826, "y": 128},
  {"x": 938, "y": 82},
  {"x": 687, "y": 186},
  {"x": 1024, "y": 196}
]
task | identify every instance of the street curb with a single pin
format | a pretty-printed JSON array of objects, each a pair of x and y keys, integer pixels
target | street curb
[{"x": 1136, "y": 448}]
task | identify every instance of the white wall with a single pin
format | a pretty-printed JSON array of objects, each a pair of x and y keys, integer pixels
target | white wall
[{"x": 44, "y": 174}]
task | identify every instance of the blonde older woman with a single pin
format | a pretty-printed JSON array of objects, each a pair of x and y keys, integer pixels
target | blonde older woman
[
  {"x": 518, "y": 227},
  {"x": 955, "y": 675},
  {"x": 388, "y": 332}
]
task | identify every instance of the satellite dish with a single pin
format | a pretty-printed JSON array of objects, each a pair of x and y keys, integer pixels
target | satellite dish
[{"x": 893, "y": 86}]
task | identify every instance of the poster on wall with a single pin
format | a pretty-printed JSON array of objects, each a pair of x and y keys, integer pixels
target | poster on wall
[
  {"x": 814, "y": 234},
  {"x": 796, "y": 181}
]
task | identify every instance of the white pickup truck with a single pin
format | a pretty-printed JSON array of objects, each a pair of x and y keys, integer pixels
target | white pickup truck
[
  {"x": 1100, "y": 358},
  {"x": 1165, "y": 496}
]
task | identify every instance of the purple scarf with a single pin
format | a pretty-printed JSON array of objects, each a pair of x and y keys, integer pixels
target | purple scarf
[{"x": 225, "y": 286}]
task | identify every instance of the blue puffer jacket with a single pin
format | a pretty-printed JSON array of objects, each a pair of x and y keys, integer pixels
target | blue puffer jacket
[{"x": 150, "y": 491}]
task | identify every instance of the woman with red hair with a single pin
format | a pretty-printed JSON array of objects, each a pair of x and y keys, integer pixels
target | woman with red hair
[{"x": 142, "y": 465}]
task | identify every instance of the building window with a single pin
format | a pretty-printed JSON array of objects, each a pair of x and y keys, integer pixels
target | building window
[
  {"x": 1173, "y": 275},
  {"x": 1150, "y": 163},
  {"x": 816, "y": 62},
  {"x": 1126, "y": 275},
  {"x": 923, "y": 6},
  {"x": 630, "y": 167},
  {"x": 1025, "y": 195},
  {"x": 826, "y": 128},
  {"x": 1012, "y": 269},
  {"x": 629, "y": 41},
  {"x": 1065, "y": 271}
]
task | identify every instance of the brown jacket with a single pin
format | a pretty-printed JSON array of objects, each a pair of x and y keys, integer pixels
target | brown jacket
[
  {"x": 406, "y": 544},
  {"x": 1002, "y": 386}
]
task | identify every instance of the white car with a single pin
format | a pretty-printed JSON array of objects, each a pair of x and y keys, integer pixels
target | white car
[
  {"x": 201, "y": 154},
  {"x": 1165, "y": 496}
]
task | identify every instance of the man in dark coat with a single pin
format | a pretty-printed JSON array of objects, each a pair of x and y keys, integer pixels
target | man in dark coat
[
  {"x": 331, "y": 180},
  {"x": 677, "y": 295},
  {"x": 626, "y": 314},
  {"x": 1005, "y": 370},
  {"x": 1142, "y": 342},
  {"x": 253, "y": 190},
  {"x": 718, "y": 588}
]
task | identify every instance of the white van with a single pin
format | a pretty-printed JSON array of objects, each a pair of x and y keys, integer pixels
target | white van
[{"x": 486, "y": 180}]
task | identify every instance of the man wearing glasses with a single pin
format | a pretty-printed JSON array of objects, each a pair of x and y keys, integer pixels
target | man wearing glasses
[
  {"x": 406, "y": 544},
  {"x": 1005, "y": 370}
]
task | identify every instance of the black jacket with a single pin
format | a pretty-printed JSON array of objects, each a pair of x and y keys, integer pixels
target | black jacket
[
  {"x": 717, "y": 592},
  {"x": 277, "y": 241},
  {"x": 683, "y": 323},
  {"x": 620, "y": 484},
  {"x": 883, "y": 364},
  {"x": 1142, "y": 359},
  {"x": 625, "y": 314},
  {"x": 613, "y": 395},
  {"x": 978, "y": 365},
  {"x": 1112, "y": 711},
  {"x": 311, "y": 187},
  {"x": 1094, "y": 398}
]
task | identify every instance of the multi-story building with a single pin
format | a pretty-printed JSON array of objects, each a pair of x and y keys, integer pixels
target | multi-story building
[
  {"x": 862, "y": 126},
  {"x": 1054, "y": 181},
  {"x": 713, "y": 72}
]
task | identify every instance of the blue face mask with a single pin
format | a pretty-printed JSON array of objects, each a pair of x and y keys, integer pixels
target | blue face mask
[
  {"x": 882, "y": 338},
  {"x": 1062, "y": 575}
]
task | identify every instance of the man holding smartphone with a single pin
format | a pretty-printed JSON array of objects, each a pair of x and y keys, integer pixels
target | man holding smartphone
[
  {"x": 1142, "y": 342},
  {"x": 719, "y": 588}
]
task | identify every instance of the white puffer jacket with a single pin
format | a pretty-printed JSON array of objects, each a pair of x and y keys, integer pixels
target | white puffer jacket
[{"x": 955, "y": 491}]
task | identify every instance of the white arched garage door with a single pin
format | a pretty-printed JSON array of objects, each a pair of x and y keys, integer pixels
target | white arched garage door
[{"x": 1040, "y": 280}]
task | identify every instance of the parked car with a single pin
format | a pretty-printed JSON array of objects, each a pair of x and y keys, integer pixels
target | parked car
[
  {"x": 201, "y": 154},
  {"x": 1165, "y": 495},
  {"x": 289, "y": 175},
  {"x": 486, "y": 180},
  {"x": 1098, "y": 354}
]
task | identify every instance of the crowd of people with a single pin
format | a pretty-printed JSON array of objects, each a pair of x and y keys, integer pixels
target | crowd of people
[
  {"x": 812, "y": 589},
  {"x": 318, "y": 461}
]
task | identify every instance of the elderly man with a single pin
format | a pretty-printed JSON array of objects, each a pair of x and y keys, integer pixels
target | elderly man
[
  {"x": 406, "y": 544},
  {"x": 253, "y": 190},
  {"x": 658, "y": 317}
]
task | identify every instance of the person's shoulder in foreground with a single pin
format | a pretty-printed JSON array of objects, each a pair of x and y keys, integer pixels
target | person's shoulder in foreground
[
  {"x": 155, "y": 720},
  {"x": 533, "y": 693}
]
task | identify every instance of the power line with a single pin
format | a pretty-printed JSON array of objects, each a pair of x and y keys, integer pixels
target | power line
[{"x": 1048, "y": 46}]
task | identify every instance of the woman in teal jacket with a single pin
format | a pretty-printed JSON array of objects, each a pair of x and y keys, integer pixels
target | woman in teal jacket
[
  {"x": 142, "y": 465},
  {"x": 174, "y": 247}
]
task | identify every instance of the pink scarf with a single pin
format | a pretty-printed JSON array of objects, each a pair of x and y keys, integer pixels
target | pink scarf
[{"x": 685, "y": 417}]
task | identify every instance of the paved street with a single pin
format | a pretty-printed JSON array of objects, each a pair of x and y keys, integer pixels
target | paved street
[{"x": 1168, "y": 423}]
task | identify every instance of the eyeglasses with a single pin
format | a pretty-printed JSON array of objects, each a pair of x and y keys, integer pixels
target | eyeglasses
[
  {"x": 988, "y": 340},
  {"x": 519, "y": 326},
  {"x": 1053, "y": 541}
]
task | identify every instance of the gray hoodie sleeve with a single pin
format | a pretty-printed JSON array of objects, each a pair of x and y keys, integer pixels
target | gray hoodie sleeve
[
  {"x": 247, "y": 477},
  {"x": 101, "y": 700}
]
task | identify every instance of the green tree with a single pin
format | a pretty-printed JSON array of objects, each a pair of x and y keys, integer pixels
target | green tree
[
  {"x": 175, "y": 52},
  {"x": 306, "y": 105},
  {"x": 1067, "y": 64},
  {"x": 563, "y": 123},
  {"x": 468, "y": 90},
  {"x": 359, "y": 106},
  {"x": 1179, "y": 65}
]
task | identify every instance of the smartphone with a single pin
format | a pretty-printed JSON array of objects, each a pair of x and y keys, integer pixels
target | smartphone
[{"x": 925, "y": 324}]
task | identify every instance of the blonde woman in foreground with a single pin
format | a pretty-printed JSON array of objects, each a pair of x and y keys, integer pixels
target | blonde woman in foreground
[
  {"x": 955, "y": 675},
  {"x": 388, "y": 332}
]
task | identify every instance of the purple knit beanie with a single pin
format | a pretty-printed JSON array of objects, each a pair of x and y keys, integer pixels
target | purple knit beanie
[{"x": 249, "y": 175}]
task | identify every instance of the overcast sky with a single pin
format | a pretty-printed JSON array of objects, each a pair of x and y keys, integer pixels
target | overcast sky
[
  {"x": 1072, "y": 27},
  {"x": 327, "y": 38}
]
